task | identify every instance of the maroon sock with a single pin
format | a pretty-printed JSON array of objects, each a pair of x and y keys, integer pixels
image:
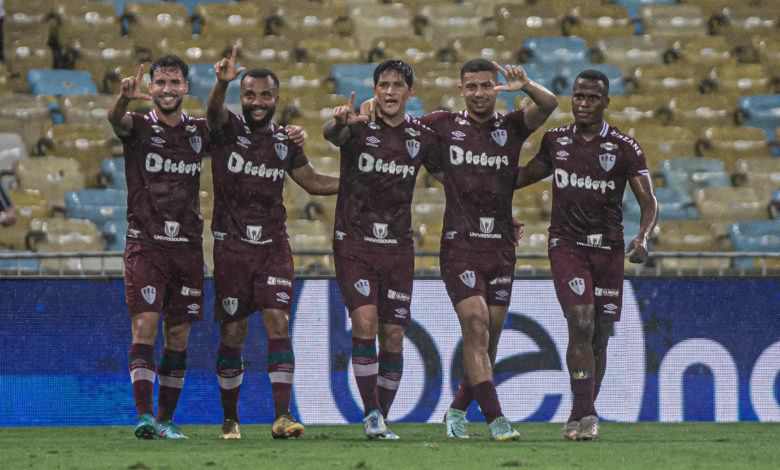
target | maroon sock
[
  {"x": 596, "y": 390},
  {"x": 463, "y": 396},
  {"x": 487, "y": 397},
  {"x": 230, "y": 374},
  {"x": 583, "y": 390},
  {"x": 366, "y": 368},
  {"x": 170, "y": 374},
  {"x": 142, "y": 373},
  {"x": 391, "y": 368},
  {"x": 281, "y": 367}
]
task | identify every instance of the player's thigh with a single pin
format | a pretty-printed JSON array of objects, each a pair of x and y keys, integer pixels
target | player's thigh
[
  {"x": 184, "y": 302},
  {"x": 608, "y": 284},
  {"x": 273, "y": 281},
  {"x": 233, "y": 275},
  {"x": 571, "y": 275},
  {"x": 357, "y": 280},
  {"x": 500, "y": 273},
  {"x": 145, "y": 279},
  {"x": 462, "y": 276},
  {"x": 395, "y": 288}
]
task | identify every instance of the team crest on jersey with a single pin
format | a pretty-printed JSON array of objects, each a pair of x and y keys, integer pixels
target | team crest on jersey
[
  {"x": 380, "y": 230},
  {"x": 468, "y": 278},
  {"x": 149, "y": 293},
  {"x": 577, "y": 285},
  {"x": 195, "y": 143},
  {"x": 609, "y": 146},
  {"x": 607, "y": 161},
  {"x": 230, "y": 304},
  {"x": 281, "y": 150},
  {"x": 461, "y": 121},
  {"x": 499, "y": 136},
  {"x": 157, "y": 128},
  {"x": 486, "y": 224},
  {"x": 412, "y": 146},
  {"x": 412, "y": 132},
  {"x": 190, "y": 128},
  {"x": 363, "y": 286},
  {"x": 565, "y": 140},
  {"x": 171, "y": 228},
  {"x": 254, "y": 232}
]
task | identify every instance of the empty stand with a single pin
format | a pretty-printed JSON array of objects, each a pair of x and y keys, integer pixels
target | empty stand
[
  {"x": 673, "y": 20},
  {"x": 686, "y": 175},
  {"x": 98, "y": 205},
  {"x": 724, "y": 204},
  {"x": 691, "y": 236},
  {"x": 555, "y": 50},
  {"x": 60, "y": 82},
  {"x": 30, "y": 204},
  {"x": 52, "y": 176},
  {"x": 630, "y": 52},
  {"x": 756, "y": 235},
  {"x": 310, "y": 235}
]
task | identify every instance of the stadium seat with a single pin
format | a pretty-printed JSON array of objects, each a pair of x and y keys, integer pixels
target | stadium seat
[
  {"x": 499, "y": 48},
  {"x": 154, "y": 18},
  {"x": 762, "y": 111},
  {"x": 527, "y": 20},
  {"x": 730, "y": 143},
  {"x": 192, "y": 50},
  {"x": 672, "y": 205},
  {"x": 192, "y": 4},
  {"x": 112, "y": 173},
  {"x": 206, "y": 203},
  {"x": 446, "y": 22},
  {"x": 310, "y": 19},
  {"x": 310, "y": 235},
  {"x": 357, "y": 77},
  {"x": 52, "y": 176},
  {"x": 736, "y": 18},
  {"x": 691, "y": 236},
  {"x": 380, "y": 20},
  {"x": 697, "y": 111},
  {"x": 760, "y": 173},
  {"x": 755, "y": 235},
  {"x": 226, "y": 18},
  {"x": 726, "y": 204},
  {"x": 686, "y": 174},
  {"x": 58, "y": 235},
  {"x": 592, "y": 22},
  {"x": 427, "y": 205},
  {"x": 30, "y": 204},
  {"x": 550, "y": 51},
  {"x": 208, "y": 247},
  {"x": 103, "y": 56},
  {"x": 89, "y": 144},
  {"x": 12, "y": 148},
  {"x": 664, "y": 81},
  {"x": 774, "y": 205},
  {"x": 673, "y": 20},
  {"x": 630, "y": 52},
  {"x": 99, "y": 16},
  {"x": 86, "y": 109},
  {"x": 98, "y": 205},
  {"x": 633, "y": 6},
  {"x": 428, "y": 239},
  {"x": 272, "y": 52},
  {"x": 202, "y": 78},
  {"x": 534, "y": 241},
  {"x": 114, "y": 233},
  {"x": 660, "y": 142},
  {"x": 709, "y": 51},
  {"x": 547, "y": 77},
  {"x": 60, "y": 82},
  {"x": 525, "y": 205},
  {"x": 411, "y": 50},
  {"x": 635, "y": 110},
  {"x": 742, "y": 79},
  {"x": 18, "y": 266}
]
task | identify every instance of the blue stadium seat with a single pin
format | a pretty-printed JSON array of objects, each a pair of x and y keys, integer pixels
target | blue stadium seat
[
  {"x": 414, "y": 107},
  {"x": 112, "y": 173},
  {"x": 120, "y": 4},
  {"x": 191, "y": 4},
  {"x": 774, "y": 204},
  {"x": 754, "y": 235},
  {"x": 685, "y": 174},
  {"x": 202, "y": 78},
  {"x": 114, "y": 234},
  {"x": 354, "y": 77},
  {"x": 672, "y": 205},
  {"x": 564, "y": 78},
  {"x": 762, "y": 111},
  {"x": 633, "y": 7},
  {"x": 60, "y": 82},
  {"x": 556, "y": 50},
  {"x": 540, "y": 74},
  {"x": 12, "y": 266},
  {"x": 98, "y": 205}
]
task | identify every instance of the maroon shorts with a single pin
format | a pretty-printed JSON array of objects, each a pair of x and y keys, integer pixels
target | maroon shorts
[
  {"x": 247, "y": 281},
  {"x": 164, "y": 280},
  {"x": 375, "y": 278},
  {"x": 488, "y": 274},
  {"x": 588, "y": 276}
]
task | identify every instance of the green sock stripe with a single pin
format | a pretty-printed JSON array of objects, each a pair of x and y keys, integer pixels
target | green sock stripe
[
  {"x": 392, "y": 367},
  {"x": 224, "y": 362},
  {"x": 136, "y": 356},
  {"x": 364, "y": 351},
  {"x": 171, "y": 364},
  {"x": 284, "y": 356}
]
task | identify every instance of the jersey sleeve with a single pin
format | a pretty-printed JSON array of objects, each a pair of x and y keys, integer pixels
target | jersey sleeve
[
  {"x": 638, "y": 162},
  {"x": 517, "y": 119},
  {"x": 543, "y": 155},
  {"x": 299, "y": 158}
]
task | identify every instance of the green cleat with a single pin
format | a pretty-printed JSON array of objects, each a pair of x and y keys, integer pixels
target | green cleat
[
  {"x": 500, "y": 430},
  {"x": 455, "y": 423},
  {"x": 589, "y": 428},
  {"x": 168, "y": 430},
  {"x": 146, "y": 427},
  {"x": 285, "y": 426}
]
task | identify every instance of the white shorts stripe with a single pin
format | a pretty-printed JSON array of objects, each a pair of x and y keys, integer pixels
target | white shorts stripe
[
  {"x": 384, "y": 382},
  {"x": 142, "y": 374},
  {"x": 281, "y": 377},
  {"x": 231, "y": 382},
  {"x": 363, "y": 370},
  {"x": 168, "y": 381}
]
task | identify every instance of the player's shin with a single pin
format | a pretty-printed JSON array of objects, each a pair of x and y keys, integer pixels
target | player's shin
[
  {"x": 170, "y": 374},
  {"x": 142, "y": 374},
  {"x": 230, "y": 375},
  {"x": 366, "y": 369},
  {"x": 281, "y": 366},
  {"x": 391, "y": 367}
]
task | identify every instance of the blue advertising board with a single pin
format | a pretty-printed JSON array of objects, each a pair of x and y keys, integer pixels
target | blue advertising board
[{"x": 685, "y": 350}]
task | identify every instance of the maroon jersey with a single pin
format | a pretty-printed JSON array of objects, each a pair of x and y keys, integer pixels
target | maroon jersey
[
  {"x": 589, "y": 181},
  {"x": 379, "y": 165},
  {"x": 480, "y": 167},
  {"x": 248, "y": 168},
  {"x": 162, "y": 166}
]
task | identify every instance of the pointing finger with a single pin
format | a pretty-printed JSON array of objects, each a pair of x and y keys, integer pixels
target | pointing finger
[
  {"x": 234, "y": 54},
  {"x": 351, "y": 103},
  {"x": 140, "y": 75}
]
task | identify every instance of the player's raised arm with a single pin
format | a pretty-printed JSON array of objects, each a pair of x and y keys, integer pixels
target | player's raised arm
[
  {"x": 369, "y": 108},
  {"x": 544, "y": 101},
  {"x": 314, "y": 182},
  {"x": 130, "y": 89},
  {"x": 337, "y": 129},
  {"x": 642, "y": 187},
  {"x": 225, "y": 71}
]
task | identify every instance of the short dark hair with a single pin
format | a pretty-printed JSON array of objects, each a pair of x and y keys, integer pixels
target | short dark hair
[
  {"x": 478, "y": 65},
  {"x": 394, "y": 65},
  {"x": 591, "y": 74},
  {"x": 169, "y": 61},
  {"x": 261, "y": 72}
]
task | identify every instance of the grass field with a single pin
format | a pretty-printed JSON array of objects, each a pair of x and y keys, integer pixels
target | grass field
[{"x": 425, "y": 446}]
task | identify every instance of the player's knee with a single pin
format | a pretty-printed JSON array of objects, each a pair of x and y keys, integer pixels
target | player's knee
[
  {"x": 276, "y": 323},
  {"x": 580, "y": 321},
  {"x": 233, "y": 334}
]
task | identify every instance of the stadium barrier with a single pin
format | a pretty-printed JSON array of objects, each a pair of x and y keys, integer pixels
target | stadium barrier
[{"x": 685, "y": 350}]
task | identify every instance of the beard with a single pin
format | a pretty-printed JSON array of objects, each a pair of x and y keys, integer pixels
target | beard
[
  {"x": 255, "y": 123},
  {"x": 168, "y": 110}
]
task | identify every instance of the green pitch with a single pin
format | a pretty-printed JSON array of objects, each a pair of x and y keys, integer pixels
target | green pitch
[{"x": 636, "y": 446}]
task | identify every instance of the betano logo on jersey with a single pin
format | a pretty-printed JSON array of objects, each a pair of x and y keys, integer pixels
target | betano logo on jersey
[
  {"x": 563, "y": 180},
  {"x": 237, "y": 164},
  {"x": 155, "y": 163},
  {"x": 458, "y": 156},
  {"x": 367, "y": 163}
]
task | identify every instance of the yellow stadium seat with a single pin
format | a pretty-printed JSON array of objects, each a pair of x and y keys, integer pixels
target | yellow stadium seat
[
  {"x": 208, "y": 246},
  {"x": 52, "y": 176},
  {"x": 58, "y": 235},
  {"x": 535, "y": 240},
  {"x": 729, "y": 204},
  {"x": 711, "y": 51},
  {"x": 592, "y": 22},
  {"x": 89, "y": 144},
  {"x": 306, "y": 20},
  {"x": 634, "y": 109},
  {"x": 99, "y": 16},
  {"x": 630, "y": 52},
  {"x": 238, "y": 18},
  {"x": 760, "y": 173},
  {"x": 327, "y": 52},
  {"x": 149, "y": 19},
  {"x": 310, "y": 235},
  {"x": 446, "y": 22},
  {"x": 30, "y": 204},
  {"x": 730, "y": 143},
  {"x": 25, "y": 114},
  {"x": 701, "y": 111},
  {"x": 411, "y": 50},
  {"x": 380, "y": 20},
  {"x": 673, "y": 20},
  {"x": 669, "y": 80},
  {"x": 521, "y": 21},
  {"x": 691, "y": 236}
]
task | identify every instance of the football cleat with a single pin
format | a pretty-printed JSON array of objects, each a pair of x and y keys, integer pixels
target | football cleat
[
  {"x": 589, "y": 428},
  {"x": 500, "y": 430},
  {"x": 230, "y": 429},
  {"x": 375, "y": 425},
  {"x": 285, "y": 427},
  {"x": 146, "y": 427},
  {"x": 455, "y": 423},
  {"x": 168, "y": 430},
  {"x": 571, "y": 431},
  {"x": 389, "y": 435}
]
